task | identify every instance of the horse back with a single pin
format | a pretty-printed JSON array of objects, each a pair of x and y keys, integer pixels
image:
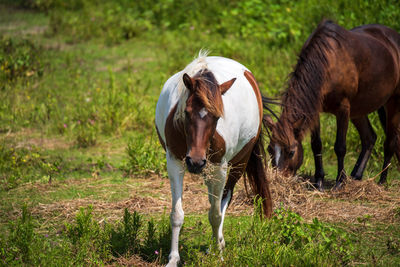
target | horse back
[
  {"x": 386, "y": 36},
  {"x": 364, "y": 69}
]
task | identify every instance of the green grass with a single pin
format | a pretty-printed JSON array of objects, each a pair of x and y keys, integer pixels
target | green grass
[{"x": 77, "y": 123}]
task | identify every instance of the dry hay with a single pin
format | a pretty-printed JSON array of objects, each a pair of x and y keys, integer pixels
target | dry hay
[
  {"x": 133, "y": 260},
  {"x": 367, "y": 190},
  {"x": 354, "y": 200}
]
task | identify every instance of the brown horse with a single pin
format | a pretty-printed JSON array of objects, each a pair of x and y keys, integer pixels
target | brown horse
[
  {"x": 349, "y": 74},
  {"x": 212, "y": 111}
]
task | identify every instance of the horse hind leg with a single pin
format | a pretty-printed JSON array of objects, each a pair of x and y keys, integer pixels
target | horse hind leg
[
  {"x": 382, "y": 118},
  {"x": 235, "y": 172},
  {"x": 368, "y": 139},
  {"x": 342, "y": 122},
  {"x": 392, "y": 142}
]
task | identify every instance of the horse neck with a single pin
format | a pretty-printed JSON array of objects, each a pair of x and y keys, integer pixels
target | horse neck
[{"x": 299, "y": 114}]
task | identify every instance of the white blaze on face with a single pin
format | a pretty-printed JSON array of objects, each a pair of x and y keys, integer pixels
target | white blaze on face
[
  {"x": 278, "y": 152},
  {"x": 203, "y": 112}
]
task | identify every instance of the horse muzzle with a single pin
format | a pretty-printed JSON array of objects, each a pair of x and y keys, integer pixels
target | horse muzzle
[{"x": 195, "y": 166}]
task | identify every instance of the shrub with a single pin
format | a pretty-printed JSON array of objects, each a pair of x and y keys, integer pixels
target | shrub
[
  {"x": 19, "y": 164},
  {"x": 89, "y": 240},
  {"x": 145, "y": 156},
  {"x": 18, "y": 59},
  {"x": 125, "y": 237}
]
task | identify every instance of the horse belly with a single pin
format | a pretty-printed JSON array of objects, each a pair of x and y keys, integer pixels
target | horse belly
[{"x": 363, "y": 105}]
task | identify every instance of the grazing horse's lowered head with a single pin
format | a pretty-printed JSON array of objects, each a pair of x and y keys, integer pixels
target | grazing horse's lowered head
[
  {"x": 203, "y": 109},
  {"x": 285, "y": 148}
]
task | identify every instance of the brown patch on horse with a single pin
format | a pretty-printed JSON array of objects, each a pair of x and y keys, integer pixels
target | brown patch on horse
[
  {"x": 175, "y": 137},
  {"x": 217, "y": 148},
  {"x": 252, "y": 80}
]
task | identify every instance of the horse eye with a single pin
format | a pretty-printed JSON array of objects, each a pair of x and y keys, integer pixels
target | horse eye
[
  {"x": 270, "y": 150},
  {"x": 291, "y": 154}
]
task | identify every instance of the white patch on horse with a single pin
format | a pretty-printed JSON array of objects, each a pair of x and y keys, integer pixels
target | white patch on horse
[
  {"x": 278, "y": 152},
  {"x": 203, "y": 112}
]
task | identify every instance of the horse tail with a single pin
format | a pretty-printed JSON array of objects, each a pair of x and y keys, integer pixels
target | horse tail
[{"x": 256, "y": 174}]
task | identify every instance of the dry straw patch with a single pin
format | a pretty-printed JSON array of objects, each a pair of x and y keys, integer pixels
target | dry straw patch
[
  {"x": 133, "y": 260},
  {"x": 355, "y": 200}
]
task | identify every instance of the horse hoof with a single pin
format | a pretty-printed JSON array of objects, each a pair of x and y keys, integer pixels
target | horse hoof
[
  {"x": 337, "y": 187},
  {"x": 319, "y": 186},
  {"x": 173, "y": 260},
  {"x": 172, "y": 263}
]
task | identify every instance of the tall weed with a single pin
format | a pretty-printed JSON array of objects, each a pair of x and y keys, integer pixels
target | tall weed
[{"x": 88, "y": 238}]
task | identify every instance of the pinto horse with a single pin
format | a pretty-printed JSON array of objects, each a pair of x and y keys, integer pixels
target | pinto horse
[
  {"x": 212, "y": 111},
  {"x": 349, "y": 74}
]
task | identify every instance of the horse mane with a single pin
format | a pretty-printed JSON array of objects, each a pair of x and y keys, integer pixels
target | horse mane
[
  {"x": 302, "y": 100},
  {"x": 206, "y": 88}
]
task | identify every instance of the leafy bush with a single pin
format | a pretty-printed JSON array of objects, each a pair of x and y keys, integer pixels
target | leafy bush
[
  {"x": 125, "y": 237},
  {"x": 277, "y": 23},
  {"x": 23, "y": 246},
  {"x": 145, "y": 156},
  {"x": 19, "y": 165},
  {"x": 22, "y": 236},
  {"x": 18, "y": 58},
  {"x": 89, "y": 240}
]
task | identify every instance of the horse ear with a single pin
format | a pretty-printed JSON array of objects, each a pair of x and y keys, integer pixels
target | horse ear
[
  {"x": 268, "y": 122},
  {"x": 188, "y": 82},
  {"x": 226, "y": 85}
]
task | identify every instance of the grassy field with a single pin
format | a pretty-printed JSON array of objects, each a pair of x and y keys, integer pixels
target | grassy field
[{"x": 82, "y": 175}]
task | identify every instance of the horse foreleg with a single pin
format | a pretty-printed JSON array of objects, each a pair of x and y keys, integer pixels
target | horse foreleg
[
  {"x": 342, "y": 123},
  {"x": 215, "y": 185},
  {"x": 316, "y": 146},
  {"x": 176, "y": 171},
  {"x": 368, "y": 138}
]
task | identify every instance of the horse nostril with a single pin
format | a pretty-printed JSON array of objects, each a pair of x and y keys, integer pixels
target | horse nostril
[
  {"x": 203, "y": 163},
  {"x": 189, "y": 161}
]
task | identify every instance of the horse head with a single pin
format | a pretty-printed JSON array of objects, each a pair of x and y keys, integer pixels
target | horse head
[
  {"x": 285, "y": 146},
  {"x": 203, "y": 109}
]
